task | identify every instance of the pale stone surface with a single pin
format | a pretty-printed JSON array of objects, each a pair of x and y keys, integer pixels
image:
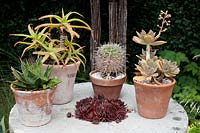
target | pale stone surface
[{"x": 176, "y": 120}]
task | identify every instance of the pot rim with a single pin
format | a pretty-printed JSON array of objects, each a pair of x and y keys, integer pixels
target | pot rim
[
  {"x": 62, "y": 66},
  {"x": 156, "y": 85},
  {"x": 106, "y": 82},
  {"x": 94, "y": 71},
  {"x": 27, "y": 92}
]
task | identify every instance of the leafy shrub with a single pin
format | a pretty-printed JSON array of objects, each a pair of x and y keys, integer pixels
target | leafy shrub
[
  {"x": 194, "y": 127},
  {"x": 186, "y": 91}
]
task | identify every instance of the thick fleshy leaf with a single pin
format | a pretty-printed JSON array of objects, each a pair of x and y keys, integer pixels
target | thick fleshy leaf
[
  {"x": 31, "y": 31},
  {"x": 22, "y": 35},
  {"x": 48, "y": 25},
  {"x": 70, "y": 13},
  {"x": 48, "y": 71},
  {"x": 138, "y": 34},
  {"x": 79, "y": 20},
  {"x": 143, "y": 32},
  {"x": 81, "y": 27},
  {"x": 63, "y": 14},
  {"x": 20, "y": 42},
  {"x": 17, "y": 74},
  {"x": 71, "y": 31},
  {"x": 158, "y": 43},
  {"x": 45, "y": 58},
  {"x": 59, "y": 19},
  {"x": 151, "y": 33},
  {"x": 138, "y": 40},
  {"x": 19, "y": 85}
]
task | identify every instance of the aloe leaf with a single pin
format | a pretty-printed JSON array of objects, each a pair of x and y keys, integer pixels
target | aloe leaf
[
  {"x": 81, "y": 27},
  {"x": 22, "y": 35},
  {"x": 48, "y": 71},
  {"x": 20, "y": 85},
  {"x": 54, "y": 57},
  {"x": 52, "y": 83},
  {"x": 45, "y": 58},
  {"x": 17, "y": 74},
  {"x": 78, "y": 20},
  {"x": 70, "y": 13},
  {"x": 31, "y": 31},
  {"x": 48, "y": 25},
  {"x": 20, "y": 42},
  {"x": 51, "y": 16},
  {"x": 28, "y": 48},
  {"x": 63, "y": 14}
]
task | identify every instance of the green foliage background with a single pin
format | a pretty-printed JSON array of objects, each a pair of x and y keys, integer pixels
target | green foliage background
[{"x": 182, "y": 37}]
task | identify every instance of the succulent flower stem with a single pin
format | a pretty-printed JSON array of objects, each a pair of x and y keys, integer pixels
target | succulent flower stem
[{"x": 148, "y": 48}]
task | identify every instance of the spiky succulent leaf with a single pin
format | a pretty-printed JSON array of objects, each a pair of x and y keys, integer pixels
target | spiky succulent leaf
[
  {"x": 33, "y": 77},
  {"x": 51, "y": 83},
  {"x": 48, "y": 71}
]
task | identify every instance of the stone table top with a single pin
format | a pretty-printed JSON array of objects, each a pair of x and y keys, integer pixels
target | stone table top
[{"x": 176, "y": 120}]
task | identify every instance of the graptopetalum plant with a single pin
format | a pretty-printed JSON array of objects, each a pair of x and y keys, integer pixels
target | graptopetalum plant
[
  {"x": 110, "y": 60},
  {"x": 151, "y": 68}
]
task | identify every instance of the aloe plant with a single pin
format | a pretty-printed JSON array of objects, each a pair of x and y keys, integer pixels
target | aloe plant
[
  {"x": 152, "y": 68},
  {"x": 110, "y": 60},
  {"x": 63, "y": 24},
  {"x": 52, "y": 50},
  {"x": 32, "y": 77}
]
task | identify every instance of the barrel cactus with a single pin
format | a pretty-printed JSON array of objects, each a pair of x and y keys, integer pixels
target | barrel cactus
[{"x": 110, "y": 60}]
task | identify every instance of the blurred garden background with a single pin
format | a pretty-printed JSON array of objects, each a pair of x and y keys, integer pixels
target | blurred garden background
[{"x": 183, "y": 42}]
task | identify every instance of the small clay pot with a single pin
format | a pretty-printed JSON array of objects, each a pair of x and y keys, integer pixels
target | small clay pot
[
  {"x": 34, "y": 107},
  {"x": 110, "y": 89},
  {"x": 152, "y": 100}
]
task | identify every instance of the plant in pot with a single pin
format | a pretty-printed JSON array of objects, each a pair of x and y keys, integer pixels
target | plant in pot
[
  {"x": 63, "y": 53},
  {"x": 108, "y": 77},
  {"x": 34, "y": 92},
  {"x": 154, "y": 77}
]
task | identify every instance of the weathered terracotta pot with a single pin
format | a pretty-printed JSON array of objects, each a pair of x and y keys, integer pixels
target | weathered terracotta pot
[
  {"x": 34, "y": 107},
  {"x": 152, "y": 100},
  {"x": 110, "y": 89},
  {"x": 66, "y": 74}
]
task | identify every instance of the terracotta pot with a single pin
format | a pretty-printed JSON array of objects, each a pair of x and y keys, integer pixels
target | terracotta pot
[
  {"x": 66, "y": 74},
  {"x": 152, "y": 100},
  {"x": 110, "y": 89},
  {"x": 34, "y": 107}
]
